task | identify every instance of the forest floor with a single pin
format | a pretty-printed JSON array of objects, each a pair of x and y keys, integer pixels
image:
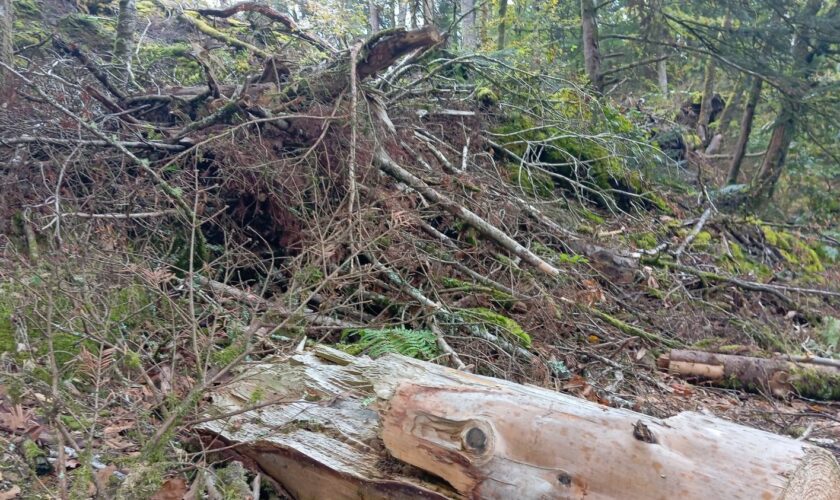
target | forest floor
[{"x": 141, "y": 268}]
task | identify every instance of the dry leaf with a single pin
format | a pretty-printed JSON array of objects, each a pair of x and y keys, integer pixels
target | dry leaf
[
  {"x": 173, "y": 489},
  {"x": 114, "y": 429},
  {"x": 11, "y": 493}
]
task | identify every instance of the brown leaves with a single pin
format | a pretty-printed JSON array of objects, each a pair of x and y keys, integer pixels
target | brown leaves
[
  {"x": 11, "y": 493},
  {"x": 174, "y": 488}
]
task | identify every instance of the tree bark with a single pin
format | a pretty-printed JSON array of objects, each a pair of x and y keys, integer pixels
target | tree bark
[
  {"x": 374, "y": 11},
  {"x": 764, "y": 183},
  {"x": 591, "y": 51},
  {"x": 428, "y": 12},
  {"x": 662, "y": 76},
  {"x": 342, "y": 427},
  {"x": 732, "y": 105},
  {"x": 500, "y": 41},
  {"x": 469, "y": 37},
  {"x": 804, "y": 51},
  {"x": 706, "y": 104},
  {"x": 124, "y": 41},
  {"x": 746, "y": 130},
  {"x": 7, "y": 49},
  {"x": 777, "y": 376}
]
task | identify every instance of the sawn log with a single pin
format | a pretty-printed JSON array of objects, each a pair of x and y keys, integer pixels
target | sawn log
[{"x": 395, "y": 427}]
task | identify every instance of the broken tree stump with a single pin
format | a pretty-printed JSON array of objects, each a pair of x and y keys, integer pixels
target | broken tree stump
[
  {"x": 395, "y": 427},
  {"x": 810, "y": 377}
]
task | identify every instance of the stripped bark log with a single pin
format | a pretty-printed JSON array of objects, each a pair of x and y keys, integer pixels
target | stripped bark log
[
  {"x": 778, "y": 376},
  {"x": 401, "y": 428}
]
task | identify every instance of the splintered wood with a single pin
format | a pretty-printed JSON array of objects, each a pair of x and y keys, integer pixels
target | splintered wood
[{"x": 395, "y": 427}]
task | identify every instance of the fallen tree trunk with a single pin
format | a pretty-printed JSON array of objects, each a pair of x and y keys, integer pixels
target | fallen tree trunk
[
  {"x": 396, "y": 427},
  {"x": 778, "y": 376}
]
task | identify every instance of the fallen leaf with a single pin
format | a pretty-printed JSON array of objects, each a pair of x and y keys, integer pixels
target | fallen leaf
[
  {"x": 173, "y": 489},
  {"x": 12, "y": 492}
]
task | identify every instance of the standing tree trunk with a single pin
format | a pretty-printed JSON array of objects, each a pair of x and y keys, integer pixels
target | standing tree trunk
[
  {"x": 469, "y": 39},
  {"x": 746, "y": 129},
  {"x": 7, "y": 50},
  {"x": 804, "y": 51},
  {"x": 732, "y": 104},
  {"x": 784, "y": 129},
  {"x": 428, "y": 12},
  {"x": 500, "y": 43},
  {"x": 706, "y": 103},
  {"x": 484, "y": 21},
  {"x": 415, "y": 7},
  {"x": 662, "y": 75},
  {"x": 124, "y": 41},
  {"x": 591, "y": 52},
  {"x": 373, "y": 16},
  {"x": 405, "y": 17}
]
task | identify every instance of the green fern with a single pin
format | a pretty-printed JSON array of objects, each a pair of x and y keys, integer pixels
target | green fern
[{"x": 421, "y": 344}]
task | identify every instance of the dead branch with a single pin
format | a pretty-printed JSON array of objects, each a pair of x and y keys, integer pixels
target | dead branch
[
  {"x": 291, "y": 27},
  {"x": 387, "y": 165},
  {"x": 778, "y": 376}
]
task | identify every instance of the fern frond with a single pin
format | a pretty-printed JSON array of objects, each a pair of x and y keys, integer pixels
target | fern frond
[{"x": 420, "y": 344}]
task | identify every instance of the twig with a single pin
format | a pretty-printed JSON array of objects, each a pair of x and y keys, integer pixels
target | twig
[
  {"x": 55, "y": 141},
  {"x": 693, "y": 234}
]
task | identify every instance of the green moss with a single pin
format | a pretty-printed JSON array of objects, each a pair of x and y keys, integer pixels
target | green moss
[
  {"x": 146, "y": 7},
  {"x": 74, "y": 424},
  {"x": 741, "y": 263},
  {"x": 557, "y": 257},
  {"x": 7, "y": 326},
  {"x": 499, "y": 321},
  {"x": 27, "y": 9},
  {"x": 793, "y": 249},
  {"x": 707, "y": 344},
  {"x": 702, "y": 241},
  {"x": 226, "y": 355},
  {"x": 816, "y": 384},
  {"x": 486, "y": 97},
  {"x": 31, "y": 451},
  {"x": 177, "y": 57},
  {"x": 133, "y": 360},
  {"x": 95, "y": 33},
  {"x": 592, "y": 216},
  {"x": 644, "y": 241},
  {"x": 467, "y": 286}
]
